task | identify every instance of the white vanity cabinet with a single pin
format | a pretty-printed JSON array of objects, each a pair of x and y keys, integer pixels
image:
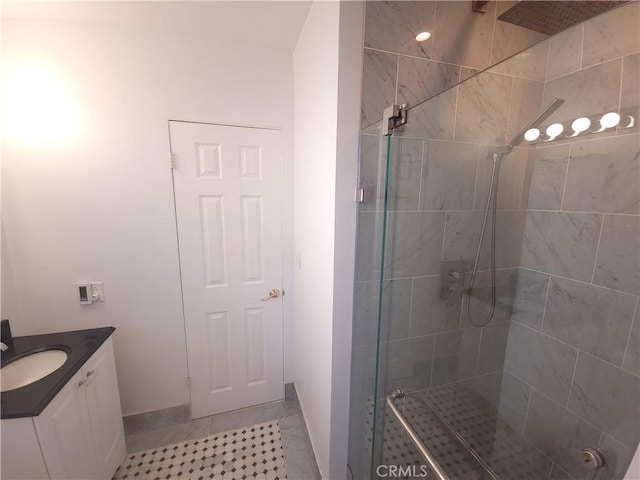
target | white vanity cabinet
[{"x": 80, "y": 432}]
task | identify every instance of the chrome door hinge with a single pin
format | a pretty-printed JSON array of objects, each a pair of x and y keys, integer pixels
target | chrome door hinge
[
  {"x": 172, "y": 163},
  {"x": 359, "y": 197},
  {"x": 393, "y": 117}
]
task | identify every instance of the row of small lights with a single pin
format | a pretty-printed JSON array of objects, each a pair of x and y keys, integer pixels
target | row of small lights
[{"x": 579, "y": 126}]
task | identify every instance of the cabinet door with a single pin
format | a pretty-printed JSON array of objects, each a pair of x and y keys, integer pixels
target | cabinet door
[
  {"x": 105, "y": 413},
  {"x": 64, "y": 432}
]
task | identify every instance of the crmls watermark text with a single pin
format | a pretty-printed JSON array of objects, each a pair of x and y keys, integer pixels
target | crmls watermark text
[{"x": 402, "y": 471}]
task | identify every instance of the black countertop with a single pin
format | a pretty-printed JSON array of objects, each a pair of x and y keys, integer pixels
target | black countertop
[{"x": 31, "y": 400}]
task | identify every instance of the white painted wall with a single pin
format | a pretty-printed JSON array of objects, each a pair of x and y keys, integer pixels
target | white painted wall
[
  {"x": 100, "y": 207},
  {"x": 327, "y": 66},
  {"x": 348, "y": 140},
  {"x": 315, "y": 96}
]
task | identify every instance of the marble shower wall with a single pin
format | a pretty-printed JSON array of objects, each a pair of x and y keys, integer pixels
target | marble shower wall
[
  {"x": 398, "y": 69},
  {"x": 572, "y": 369}
]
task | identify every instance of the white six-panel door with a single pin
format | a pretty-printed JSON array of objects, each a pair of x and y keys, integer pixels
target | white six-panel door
[{"x": 227, "y": 183}]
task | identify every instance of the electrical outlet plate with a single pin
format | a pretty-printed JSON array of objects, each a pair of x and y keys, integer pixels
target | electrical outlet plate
[{"x": 97, "y": 291}]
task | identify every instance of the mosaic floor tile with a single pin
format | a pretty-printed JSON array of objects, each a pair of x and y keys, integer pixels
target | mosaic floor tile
[{"x": 250, "y": 452}]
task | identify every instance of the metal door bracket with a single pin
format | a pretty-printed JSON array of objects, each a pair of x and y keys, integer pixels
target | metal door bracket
[{"x": 393, "y": 117}]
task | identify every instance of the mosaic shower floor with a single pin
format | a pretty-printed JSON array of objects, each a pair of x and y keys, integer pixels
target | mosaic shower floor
[
  {"x": 250, "y": 452},
  {"x": 441, "y": 416}
]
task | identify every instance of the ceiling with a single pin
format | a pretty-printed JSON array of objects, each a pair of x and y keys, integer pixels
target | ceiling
[{"x": 274, "y": 24}]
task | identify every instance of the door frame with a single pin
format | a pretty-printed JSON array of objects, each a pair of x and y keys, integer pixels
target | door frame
[{"x": 286, "y": 214}]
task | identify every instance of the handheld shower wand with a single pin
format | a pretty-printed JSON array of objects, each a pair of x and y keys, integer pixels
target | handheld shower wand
[{"x": 492, "y": 202}]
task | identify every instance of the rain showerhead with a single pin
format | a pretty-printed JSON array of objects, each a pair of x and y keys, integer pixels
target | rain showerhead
[{"x": 551, "y": 17}]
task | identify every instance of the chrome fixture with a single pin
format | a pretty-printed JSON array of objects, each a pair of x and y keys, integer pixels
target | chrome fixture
[
  {"x": 415, "y": 439},
  {"x": 551, "y": 17},
  {"x": 393, "y": 117},
  {"x": 497, "y": 156},
  {"x": 593, "y": 460}
]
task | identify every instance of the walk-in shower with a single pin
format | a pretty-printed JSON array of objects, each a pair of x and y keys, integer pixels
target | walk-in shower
[{"x": 497, "y": 313}]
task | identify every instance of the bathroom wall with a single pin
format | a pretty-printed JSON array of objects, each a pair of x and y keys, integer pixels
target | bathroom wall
[
  {"x": 100, "y": 207},
  {"x": 327, "y": 64},
  {"x": 572, "y": 365}
]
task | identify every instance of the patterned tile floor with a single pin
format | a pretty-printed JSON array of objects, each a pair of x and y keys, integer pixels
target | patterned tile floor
[
  {"x": 438, "y": 414},
  {"x": 251, "y": 452}
]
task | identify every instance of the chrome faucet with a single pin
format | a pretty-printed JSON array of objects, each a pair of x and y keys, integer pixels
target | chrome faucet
[{"x": 3, "y": 347}]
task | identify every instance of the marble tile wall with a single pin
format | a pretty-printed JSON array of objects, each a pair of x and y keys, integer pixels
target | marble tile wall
[
  {"x": 571, "y": 376},
  {"x": 398, "y": 69},
  {"x": 437, "y": 192},
  {"x": 568, "y": 225}
]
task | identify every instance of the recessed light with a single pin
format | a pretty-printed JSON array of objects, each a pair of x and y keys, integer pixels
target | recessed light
[{"x": 421, "y": 37}]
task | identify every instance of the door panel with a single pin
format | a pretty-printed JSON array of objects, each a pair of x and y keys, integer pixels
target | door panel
[{"x": 227, "y": 183}]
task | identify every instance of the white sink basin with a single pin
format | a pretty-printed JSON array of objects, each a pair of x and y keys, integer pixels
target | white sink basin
[{"x": 29, "y": 369}]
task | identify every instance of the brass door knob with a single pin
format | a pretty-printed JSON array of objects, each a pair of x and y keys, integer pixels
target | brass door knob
[{"x": 273, "y": 293}]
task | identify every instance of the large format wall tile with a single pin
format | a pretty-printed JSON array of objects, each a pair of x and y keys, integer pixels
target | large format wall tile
[
  {"x": 601, "y": 81},
  {"x": 455, "y": 355},
  {"x": 526, "y": 104},
  {"x": 395, "y": 311},
  {"x": 448, "y": 176},
  {"x": 509, "y": 38},
  {"x": 561, "y": 243},
  {"x": 414, "y": 244},
  {"x": 378, "y": 84},
  {"x": 617, "y": 458},
  {"x": 429, "y": 313},
  {"x": 611, "y": 35},
  {"x": 542, "y": 362},
  {"x": 493, "y": 345},
  {"x": 403, "y": 187},
  {"x": 593, "y": 319},
  {"x": 631, "y": 361},
  {"x": 565, "y": 52},
  {"x": 433, "y": 119},
  {"x": 559, "y": 434},
  {"x": 604, "y": 176},
  {"x": 618, "y": 262},
  {"x": 608, "y": 398},
  {"x": 420, "y": 79},
  {"x": 530, "y": 297},
  {"x": 549, "y": 167},
  {"x": 461, "y": 236},
  {"x": 530, "y": 64},
  {"x": 363, "y": 361},
  {"x": 368, "y": 246},
  {"x": 408, "y": 364},
  {"x": 630, "y": 94},
  {"x": 392, "y": 26},
  {"x": 510, "y": 180},
  {"x": 462, "y": 36},
  {"x": 514, "y": 400},
  {"x": 370, "y": 156},
  {"x": 480, "y": 306},
  {"x": 483, "y": 108}
]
